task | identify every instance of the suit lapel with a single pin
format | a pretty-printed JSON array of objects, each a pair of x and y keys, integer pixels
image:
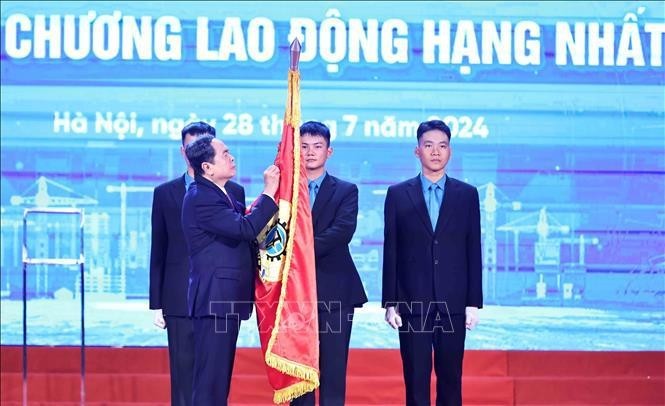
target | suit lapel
[
  {"x": 178, "y": 192},
  {"x": 415, "y": 192},
  {"x": 326, "y": 192},
  {"x": 203, "y": 182},
  {"x": 447, "y": 206}
]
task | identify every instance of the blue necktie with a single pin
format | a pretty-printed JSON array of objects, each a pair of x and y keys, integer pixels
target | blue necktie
[
  {"x": 313, "y": 189},
  {"x": 434, "y": 203}
]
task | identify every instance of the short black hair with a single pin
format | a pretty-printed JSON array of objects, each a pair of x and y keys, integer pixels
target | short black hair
[
  {"x": 200, "y": 151},
  {"x": 196, "y": 129},
  {"x": 316, "y": 128},
  {"x": 432, "y": 125}
]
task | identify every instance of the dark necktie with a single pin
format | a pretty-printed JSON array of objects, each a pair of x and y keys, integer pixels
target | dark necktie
[{"x": 231, "y": 200}]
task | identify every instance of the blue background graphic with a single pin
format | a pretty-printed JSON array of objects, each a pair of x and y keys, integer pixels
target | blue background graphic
[{"x": 569, "y": 162}]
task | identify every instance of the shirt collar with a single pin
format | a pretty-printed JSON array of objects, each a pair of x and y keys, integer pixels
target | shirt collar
[
  {"x": 427, "y": 183},
  {"x": 188, "y": 181},
  {"x": 318, "y": 180}
]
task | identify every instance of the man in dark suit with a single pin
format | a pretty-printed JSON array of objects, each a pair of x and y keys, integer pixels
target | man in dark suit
[
  {"x": 339, "y": 289},
  {"x": 432, "y": 269},
  {"x": 221, "y": 245},
  {"x": 169, "y": 270}
]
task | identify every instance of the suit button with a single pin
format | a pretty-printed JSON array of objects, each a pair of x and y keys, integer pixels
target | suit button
[
  {"x": 436, "y": 241},
  {"x": 436, "y": 262}
]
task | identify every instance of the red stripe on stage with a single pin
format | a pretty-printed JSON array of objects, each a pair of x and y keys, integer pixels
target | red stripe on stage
[{"x": 139, "y": 377}]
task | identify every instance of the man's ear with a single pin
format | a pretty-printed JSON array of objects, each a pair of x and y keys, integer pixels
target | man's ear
[{"x": 184, "y": 155}]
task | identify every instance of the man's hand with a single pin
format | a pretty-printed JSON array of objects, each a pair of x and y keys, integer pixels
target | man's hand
[
  {"x": 393, "y": 318},
  {"x": 158, "y": 319},
  {"x": 271, "y": 181},
  {"x": 472, "y": 318}
]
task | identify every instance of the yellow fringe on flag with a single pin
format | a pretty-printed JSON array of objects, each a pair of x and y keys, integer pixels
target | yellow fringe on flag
[{"x": 289, "y": 393}]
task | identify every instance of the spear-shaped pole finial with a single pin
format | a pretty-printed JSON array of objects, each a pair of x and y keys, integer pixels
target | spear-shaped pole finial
[{"x": 295, "y": 54}]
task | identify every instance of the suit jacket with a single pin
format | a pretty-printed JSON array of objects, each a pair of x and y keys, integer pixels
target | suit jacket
[
  {"x": 432, "y": 266},
  {"x": 335, "y": 214},
  {"x": 169, "y": 262},
  {"x": 221, "y": 245}
]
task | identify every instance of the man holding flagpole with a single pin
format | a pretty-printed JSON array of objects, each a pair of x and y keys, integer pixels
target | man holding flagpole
[{"x": 220, "y": 240}]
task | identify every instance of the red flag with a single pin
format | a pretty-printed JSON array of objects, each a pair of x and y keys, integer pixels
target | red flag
[{"x": 286, "y": 285}]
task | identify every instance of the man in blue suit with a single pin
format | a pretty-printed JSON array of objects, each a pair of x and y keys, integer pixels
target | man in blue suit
[
  {"x": 221, "y": 245},
  {"x": 169, "y": 269},
  {"x": 339, "y": 289},
  {"x": 432, "y": 269}
]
